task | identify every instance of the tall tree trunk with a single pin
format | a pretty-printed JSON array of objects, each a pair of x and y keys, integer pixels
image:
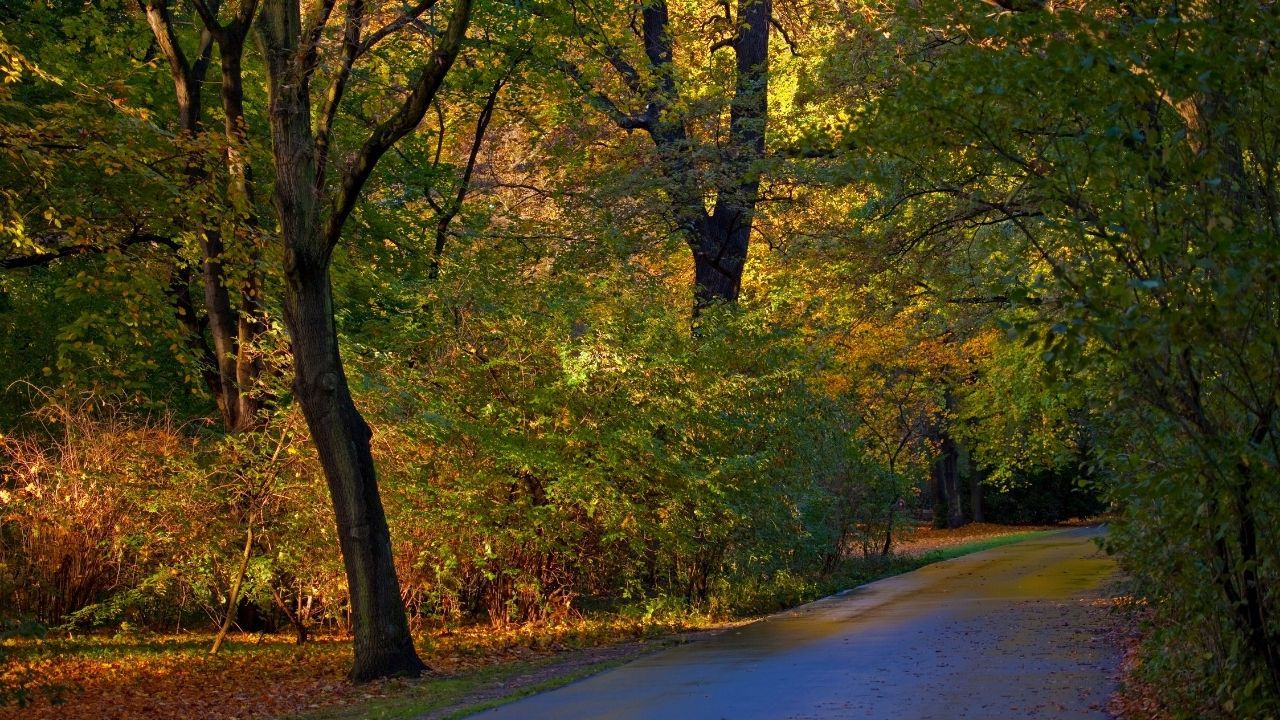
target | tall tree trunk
[
  {"x": 246, "y": 365},
  {"x": 948, "y": 502},
  {"x": 948, "y": 470},
  {"x": 719, "y": 258},
  {"x": 888, "y": 530},
  {"x": 234, "y": 327},
  {"x": 720, "y": 248},
  {"x": 383, "y": 645}
]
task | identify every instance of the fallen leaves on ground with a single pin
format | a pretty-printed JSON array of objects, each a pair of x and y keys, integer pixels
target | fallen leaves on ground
[
  {"x": 1135, "y": 698},
  {"x": 175, "y": 677},
  {"x": 924, "y": 538}
]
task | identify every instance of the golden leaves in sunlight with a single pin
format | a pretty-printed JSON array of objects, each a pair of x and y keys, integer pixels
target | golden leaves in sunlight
[{"x": 172, "y": 676}]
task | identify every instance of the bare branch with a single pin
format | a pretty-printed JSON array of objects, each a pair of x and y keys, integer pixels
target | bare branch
[
  {"x": 464, "y": 184},
  {"x": 312, "y": 32},
  {"x": 208, "y": 15},
  {"x": 187, "y": 77},
  {"x": 722, "y": 43},
  {"x": 628, "y": 71},
  {"x": 791, "y": 44},
  {"x": 604, "y": 104},
  {"x": 244, "y": 18}
]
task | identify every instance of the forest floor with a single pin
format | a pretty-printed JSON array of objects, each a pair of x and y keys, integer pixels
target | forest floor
[
  {"x": 167, "y": 676},
  {"x": 1136, "y": 698}
]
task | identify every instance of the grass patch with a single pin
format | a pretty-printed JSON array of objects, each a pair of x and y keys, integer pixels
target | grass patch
[
  {"x": 428, "y": 695},
  {"x": 860, "y": 571},
  {"x": 540, "y": 687},
  {"x": 979, "y": 545},
  {"x": 783, "y": 591},
  {"x": 458, "y": 696}
]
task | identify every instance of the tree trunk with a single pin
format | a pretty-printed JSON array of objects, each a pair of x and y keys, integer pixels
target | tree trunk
[
  {"x": 718, "y": 239},
  {"x": 235, "y": 331},
  {"x": 250, "y": 324},
  {"x": 949, "y": 505},
  {"x": 294, "y": 616},
  {"x": 233, "y": 596},
  {"x": 888, "y": 531},
  {"x": 719, "y": 257},
  {"x": 720, "y": 248},
  {"x": 951, "y": 481},
  {"x": 975, "y": 493},
  {"x": 383, "y": 645}
]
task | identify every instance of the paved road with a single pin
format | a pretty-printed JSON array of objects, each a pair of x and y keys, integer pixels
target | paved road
[{"x": 1006, "y": 633}]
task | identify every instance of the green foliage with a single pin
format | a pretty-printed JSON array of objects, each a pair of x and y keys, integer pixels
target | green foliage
[
  {"x": 1128, "y": 160},
  {"x": 1048, "y": 237},
  {"x": 578, "y": 441}
]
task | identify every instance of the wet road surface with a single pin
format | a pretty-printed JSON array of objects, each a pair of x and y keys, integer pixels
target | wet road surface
[{"x": 1012, "y": 632}]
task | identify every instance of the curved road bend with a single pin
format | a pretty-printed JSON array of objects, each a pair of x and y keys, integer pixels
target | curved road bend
[{"x": 1005, "y": 633}]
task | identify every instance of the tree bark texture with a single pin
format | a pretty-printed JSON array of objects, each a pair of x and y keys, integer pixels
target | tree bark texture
[{"x": 383, "y": 645}]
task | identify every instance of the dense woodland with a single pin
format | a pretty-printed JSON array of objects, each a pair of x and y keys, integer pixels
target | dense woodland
[{"x": 378, "y": 315}]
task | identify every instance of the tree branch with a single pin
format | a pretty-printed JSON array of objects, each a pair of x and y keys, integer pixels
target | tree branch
[
  {"x": 311, "y": 35},
  {"x": 409, "y": 16},
  {"x": 791, "y": 44},
  {"x": 209, "y": 16},
  {"x": 464, "y": 184},
  {"x": 410, "y": 114},
  {"x": 338, "y": 85},
  {"x": 604, "y": 104},
  {"x": 136, "y": 237}
]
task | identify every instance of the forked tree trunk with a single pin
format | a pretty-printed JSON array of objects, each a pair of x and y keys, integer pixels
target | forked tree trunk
[
  {"x": 718, "y": 239},
  {"x": 719, "y": 258},
  {"x": 235, "y": 330},
  {"x": 383, "y": 646},
  {"x": 720, "y": 248}
]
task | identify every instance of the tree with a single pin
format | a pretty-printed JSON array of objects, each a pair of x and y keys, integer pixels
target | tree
[
  {"x": 719, "y": 239},
  {"x": 235, "y": 328},
  {"x": 312, "y": 210},
  {"x": 1127, "y": 161}
]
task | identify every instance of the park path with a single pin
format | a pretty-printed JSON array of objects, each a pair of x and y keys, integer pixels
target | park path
[{"x": 1013, "y": 632}]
